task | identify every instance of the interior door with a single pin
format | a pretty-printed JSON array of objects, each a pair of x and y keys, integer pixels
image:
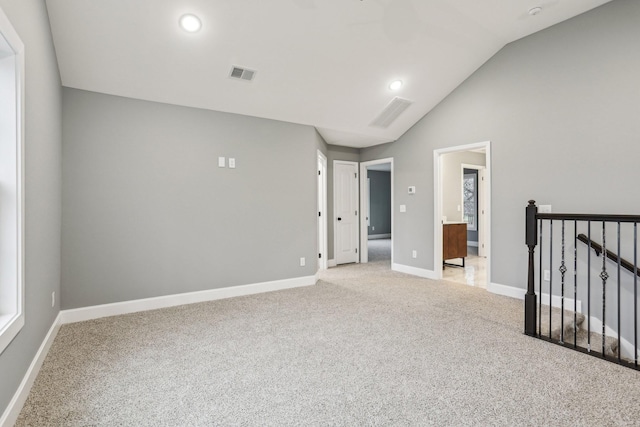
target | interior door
[
  {"x": 322, "y": 212},
  {"x": 346, "y": 211}
]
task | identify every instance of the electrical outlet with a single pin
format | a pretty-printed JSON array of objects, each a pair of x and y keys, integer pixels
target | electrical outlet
[
  {"x": 303, "y": 262},
  {"x": 221, "y": 162},
  {"x": 373, "y": 228},
  {"x": 547, "y": 276},
  {"x": 53, "y": 299},
  {"x": 414, "y": 254}
]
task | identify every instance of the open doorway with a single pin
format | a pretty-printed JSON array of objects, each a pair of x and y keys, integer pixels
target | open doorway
[
  {"x": 376, "y": 201},
  {"x": 462, "y": 212}
]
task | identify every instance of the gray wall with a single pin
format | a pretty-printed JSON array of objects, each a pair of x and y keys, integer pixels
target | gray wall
[
  {"x": 42, "y": 190},
  {"x": 452, "y": 181},
  {"x": 147, "y": 211},
  {"x": 560, "y": 108},
  {"x": 335, "y": 152},
  {"x": 379, "y": 202}
]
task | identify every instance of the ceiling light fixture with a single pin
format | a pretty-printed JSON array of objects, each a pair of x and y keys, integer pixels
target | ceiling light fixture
[
  {"x": 190, "y": 23},
  {"x": 395, "y": 85},
  {"x": 534, "y": 11}
]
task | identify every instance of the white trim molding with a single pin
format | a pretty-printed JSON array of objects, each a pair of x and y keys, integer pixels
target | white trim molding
[
  {"x": 507, "y": 291},
  {"x": 414, "y": 271},
  {"x": 331, "y": 263},
  {"x": 379, "y": 236},
  {"x": 519, "y": 293},
  {"x": 133, "y": 306},
  {"x": 11, "y": 413},
  {"x": 626, "y": 347},
  {"x": 12, "y": 132}
]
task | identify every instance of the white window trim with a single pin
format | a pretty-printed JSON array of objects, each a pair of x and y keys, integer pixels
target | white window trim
[{"x": 12, "y": 323}]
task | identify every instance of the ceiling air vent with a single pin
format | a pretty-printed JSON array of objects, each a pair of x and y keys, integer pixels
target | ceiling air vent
[
  {"x": 242, "y": 73},
  {"x": 391, "y": 112}
]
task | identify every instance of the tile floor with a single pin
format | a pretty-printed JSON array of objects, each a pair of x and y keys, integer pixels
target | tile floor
[{"x": 473, "y": 274}]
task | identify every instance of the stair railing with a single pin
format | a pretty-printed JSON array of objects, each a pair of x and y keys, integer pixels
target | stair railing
[
  {"x": 611, "y": 255},
  {"x": 538, "y": 224}
]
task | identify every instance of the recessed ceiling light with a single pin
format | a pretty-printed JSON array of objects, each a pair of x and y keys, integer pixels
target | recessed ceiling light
[
  {"x": 190, "y": 23},
  {"x": 395, "y": 85},
  {"x": 534, "y": 11}
]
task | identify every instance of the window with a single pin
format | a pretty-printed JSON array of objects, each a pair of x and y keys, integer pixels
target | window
[
  {"x": 470, "y": 198},
  {"x": 11, "y": 194}
]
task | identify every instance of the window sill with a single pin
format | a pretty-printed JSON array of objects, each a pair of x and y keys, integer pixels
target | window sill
[{"x": 10, "y": 325}]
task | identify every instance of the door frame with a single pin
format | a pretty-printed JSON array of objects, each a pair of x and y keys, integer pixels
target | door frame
[
  {"x": 322, "y": 210},
  {"x": 364, "y": 205},
  {"x": 437, "y": 203},
  {"x": 335, "y": 210},
  {"x": 480, "y": 225}
]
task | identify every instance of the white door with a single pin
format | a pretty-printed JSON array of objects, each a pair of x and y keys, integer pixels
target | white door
[
  {"x": 345, "y": 179},
  {"x": 482, "y": 214},
  {"x": 322, "y": 212}
]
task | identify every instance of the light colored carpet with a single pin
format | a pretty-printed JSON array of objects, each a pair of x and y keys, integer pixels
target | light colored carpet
[
  {"x": 365, "y": 346},
  {"x": 379, "y": 250}
]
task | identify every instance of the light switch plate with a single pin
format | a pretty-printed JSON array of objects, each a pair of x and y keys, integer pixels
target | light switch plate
[
  {"x": 232, "y": 163},
  {"x": 412, "y": 189},
  {"x": 544, "y": 209},
  {"x": 403, "y": 208},
  {"x": 221, "y": 162}
]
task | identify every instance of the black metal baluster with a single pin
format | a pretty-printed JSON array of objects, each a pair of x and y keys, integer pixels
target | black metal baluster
[
  {"x": 540, "y": 280},
  {"x": 575, "y": 284},
  {"x": 589, "y": 288},
  {"x": 619, "y": 264},
  {"x": 550, "y": 275},
  {"x": 604, "y": 276},
  {"x": 635, "y": 294},
  {"x": 563, "y": 270}
]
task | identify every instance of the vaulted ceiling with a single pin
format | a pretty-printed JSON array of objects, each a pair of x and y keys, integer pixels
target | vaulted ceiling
[{"x": 324, "y": 63}]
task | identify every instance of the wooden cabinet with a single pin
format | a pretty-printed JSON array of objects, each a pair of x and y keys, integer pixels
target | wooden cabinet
[{"x": 454, "y": 241}]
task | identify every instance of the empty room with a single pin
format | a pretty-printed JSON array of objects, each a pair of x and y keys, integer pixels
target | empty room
[{"x": 247, "y": 213}]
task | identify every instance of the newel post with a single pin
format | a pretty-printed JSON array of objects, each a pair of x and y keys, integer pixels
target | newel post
[{"x": 530, "y": 307}]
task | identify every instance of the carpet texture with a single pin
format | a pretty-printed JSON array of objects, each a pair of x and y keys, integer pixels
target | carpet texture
[
  {"x": 365, "y": 346},
  {"x": 379, "y": 250}
]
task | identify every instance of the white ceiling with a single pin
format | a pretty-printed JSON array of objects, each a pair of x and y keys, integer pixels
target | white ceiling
[{"x": 324, "y": 63}]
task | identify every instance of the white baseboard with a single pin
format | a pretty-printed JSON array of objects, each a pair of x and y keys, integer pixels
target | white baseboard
[
  {"x": 331, "y": 263},
  {"x": 125, "y": 307},
  {"x": 519, "y": 293},
  {"x": 415, "y": 271},
  {"x": 507, "y": 291},
  {"x": 12, "y": 412},
  {"x": 626, "y": 346},
  {"x": 379, "y": 236},
  {"x": 556, "y": 301},
  {"x": 470, "y": 243}
]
